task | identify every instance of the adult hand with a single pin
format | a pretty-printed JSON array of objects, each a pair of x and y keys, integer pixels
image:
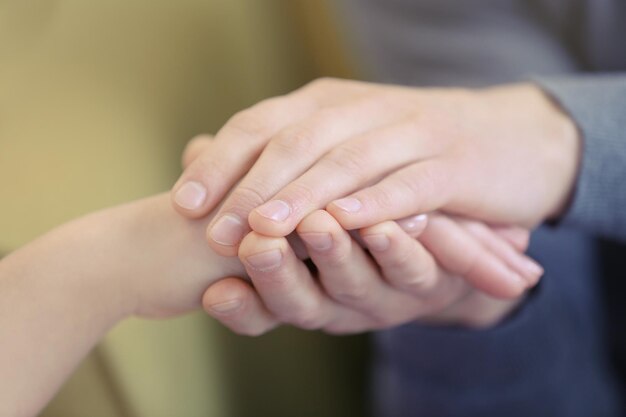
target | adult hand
[
  {"x": 360, "y": 293},
  {"x": 403, "y": 280},
  {"x": 504, "y": 155},
  {"x": 485, "y": 274}
]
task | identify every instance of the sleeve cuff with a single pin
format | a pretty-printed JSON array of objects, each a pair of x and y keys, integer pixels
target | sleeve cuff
[{"x": 597, "y": 103}]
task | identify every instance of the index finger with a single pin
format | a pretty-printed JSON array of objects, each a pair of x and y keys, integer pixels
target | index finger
[
  {"x": 231, "y": 154},
  {"x": 240, "y": 141}
]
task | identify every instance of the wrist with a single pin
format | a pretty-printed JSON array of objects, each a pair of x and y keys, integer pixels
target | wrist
[
  {"x": 172, "y": 264},
  {"x": 82, "y": 264},
  {"x": 564, "y": 150},
  {"x": 556, "y": 156},
  {"x": 56, "y": 302}
]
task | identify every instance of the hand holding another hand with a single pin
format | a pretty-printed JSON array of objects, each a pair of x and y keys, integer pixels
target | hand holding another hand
[
  {"x": 505, "y": 155},
  {"x": 401, "y": 279},
  {"x": 458, "y": 271}
]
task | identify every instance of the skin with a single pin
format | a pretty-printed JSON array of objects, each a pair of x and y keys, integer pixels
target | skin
[
  {"x": 401, "y": 282},
  {"x": 370, "y": 153},
  {"x": 61, "y": 293},
  {"x": 406, "y": 281},
  {"x": 65, "y": 290}
]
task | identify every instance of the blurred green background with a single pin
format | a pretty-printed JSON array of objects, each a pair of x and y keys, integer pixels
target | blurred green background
[{"x": 97, "y": 100}]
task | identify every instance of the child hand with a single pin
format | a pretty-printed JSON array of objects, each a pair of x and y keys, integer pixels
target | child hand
[{"x": 61, "y": 293}]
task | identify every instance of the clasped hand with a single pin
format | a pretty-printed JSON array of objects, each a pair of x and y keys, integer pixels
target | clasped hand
[{"x": 338, "y": 156}]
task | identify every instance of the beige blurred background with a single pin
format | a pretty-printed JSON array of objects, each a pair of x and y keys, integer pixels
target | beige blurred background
[{"x": 97, "y": 99}]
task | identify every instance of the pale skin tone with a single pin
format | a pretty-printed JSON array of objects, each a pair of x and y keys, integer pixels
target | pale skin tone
[
  {"x": 65, "y": 290},
  {"x": 401, "y": 286},
  {"x": 60, "y": 294},
  {"x": 369, "y": 153}
]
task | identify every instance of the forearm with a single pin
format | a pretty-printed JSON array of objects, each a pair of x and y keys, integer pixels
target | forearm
[
  {"x": 60, "y": 294},
  {"x": 54, "y": 306}
]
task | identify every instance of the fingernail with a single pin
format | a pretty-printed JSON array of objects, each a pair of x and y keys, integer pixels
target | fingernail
[
  {"x": 265, "y": 261},
  {"x": 379, "y": 242},
  {"x": 228, "y": 230},
  {"x": 414, "y": 224},
  {"x": 351, "y": 205},
  {"x": 318, "y": 241},
  {"x": 226, "y": 306},
  {"x": 276, "y": 210},
  {"x": 191, "y": 195},
  {"x": 533, "y": 267}
]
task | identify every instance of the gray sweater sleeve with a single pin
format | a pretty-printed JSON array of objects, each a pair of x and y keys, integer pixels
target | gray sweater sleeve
[{"x": 598, "y": 105}]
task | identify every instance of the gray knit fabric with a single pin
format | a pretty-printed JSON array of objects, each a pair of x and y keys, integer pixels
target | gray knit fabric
[
  {"x": 598, "y": 104},
  {"x": 485, "y": 42},
  {"x": 549, "y": 359}
]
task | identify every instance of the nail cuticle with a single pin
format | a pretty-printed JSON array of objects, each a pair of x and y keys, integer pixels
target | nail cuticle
[
  {"x": 318, "y": 241},
  {"x": 265, "y": 261},
  {"x": 276, "y": 210},
  {"x": 228, "y": 230}
]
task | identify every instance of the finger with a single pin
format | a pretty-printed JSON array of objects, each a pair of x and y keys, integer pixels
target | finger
[
  {"x": 419, "y": 188},
  {"x": 236, "y": 304},
  {"x": 404, "y": 262},
  {"x": 460, "y": 253},
  {"x": 346, "y": 167},
  {"x": 297, "y": 246},
  {"x": 413, "y": 225},
  {"x": 288, "y": 154},
  {"x": 523, "y": 265},
  {"x": 194, "y": 149},
  {"x": 238, "y": 143},
  {"x": 516, "y": 236},
  {"x": 286, "y": 285},
  {"x": 349, "y": 276}
]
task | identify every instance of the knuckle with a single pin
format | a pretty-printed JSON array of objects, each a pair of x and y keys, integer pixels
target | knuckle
[
  {"x": 302, "y": 194},
  {"x": 249, "y": 123},
  {"x": 351, "y": 291},
  {"x": 307, "y": 316},
  {"x": 421, "y": 283},
  {"x": 402, "y": 258},
  {"x": 348, "y": 159},
  {"x": 338, "y": 257},
  {"x": 295, "y": 141},
  {"x": 384, "y": 197},
  {"x": 208, "y": 167},
  {"x": 416, "y": 186},
  {"x": 194, "y": 148},
  {"x": 250, "y": 195},
  {"x": 425, "y": 183}
]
